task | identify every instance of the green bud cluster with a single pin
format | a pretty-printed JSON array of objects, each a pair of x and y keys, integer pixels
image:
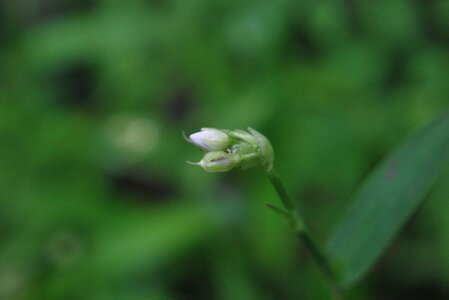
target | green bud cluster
[{"x": 229, "y": 149}]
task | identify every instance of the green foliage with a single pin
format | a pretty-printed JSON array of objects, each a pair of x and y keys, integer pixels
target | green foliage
[
  {"x": 388, "y": 198},
  {"x": 96, "y": 201}
]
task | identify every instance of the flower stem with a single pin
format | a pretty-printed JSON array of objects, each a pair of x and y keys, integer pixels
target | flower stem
[
  {"x": 301, "y": 230},
  {"x": 280, "y": 189}
]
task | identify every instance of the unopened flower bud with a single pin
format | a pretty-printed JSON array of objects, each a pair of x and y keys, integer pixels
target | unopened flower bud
[
  {"x": 210, "y": 139},
  {"x": 218, "y": 161},
  {"x": 228, "y": 149},
  {"x": 264, "y": 147}
]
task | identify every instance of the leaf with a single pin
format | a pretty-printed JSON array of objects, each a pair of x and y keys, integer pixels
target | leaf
[{"x": 386, "y": 200}]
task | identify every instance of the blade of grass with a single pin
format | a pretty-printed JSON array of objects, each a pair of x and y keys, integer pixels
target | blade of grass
[{"x": 386, "y": 200}]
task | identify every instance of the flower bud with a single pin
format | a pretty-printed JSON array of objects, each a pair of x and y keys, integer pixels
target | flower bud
[
  {"x": 264, "y": 147},
  {"x": 218, "y": 161},
  {"x": 210, "y": 139},
  {"x": 228, "y": 149}
]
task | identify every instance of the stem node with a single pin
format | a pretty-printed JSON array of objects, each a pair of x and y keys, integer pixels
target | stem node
[{"x": 292, "y": 214}]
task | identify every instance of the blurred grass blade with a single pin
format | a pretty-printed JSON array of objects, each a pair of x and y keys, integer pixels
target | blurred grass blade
[{"x": 386, "y": 200}]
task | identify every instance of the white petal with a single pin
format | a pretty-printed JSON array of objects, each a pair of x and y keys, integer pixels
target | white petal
[{"x": 210, "y": 139}]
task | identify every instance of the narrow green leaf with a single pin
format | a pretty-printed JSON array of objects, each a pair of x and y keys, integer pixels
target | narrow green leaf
[{"x": 386, "y": 200}]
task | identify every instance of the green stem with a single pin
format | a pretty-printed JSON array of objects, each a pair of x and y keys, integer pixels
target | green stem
[
  {"x": 280, "y": 189},
  {"x": 302, "y": 231}
]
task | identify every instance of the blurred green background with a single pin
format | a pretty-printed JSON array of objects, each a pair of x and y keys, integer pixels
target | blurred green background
[{"x": 96, "y": 201}]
